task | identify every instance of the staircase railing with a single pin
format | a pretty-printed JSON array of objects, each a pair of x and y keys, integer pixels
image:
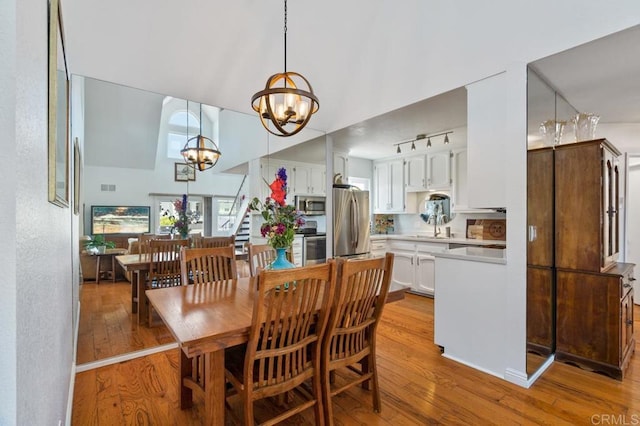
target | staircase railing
[{"x": 238, "y": 209}]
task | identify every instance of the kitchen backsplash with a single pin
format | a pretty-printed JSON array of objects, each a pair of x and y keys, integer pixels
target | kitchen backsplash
[{"x": 412, "y": 223}]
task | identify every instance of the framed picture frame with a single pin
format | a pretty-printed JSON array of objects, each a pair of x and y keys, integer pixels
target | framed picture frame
[
  {"x": 76, "y": 176},
  {"x": 58, "y": 106},
  {"x": 184, "y": 173}
]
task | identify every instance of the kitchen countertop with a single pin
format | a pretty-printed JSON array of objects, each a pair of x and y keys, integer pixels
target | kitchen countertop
[
  {"x": 476, "y": 254},
  {"x": 428, "y": 238}
]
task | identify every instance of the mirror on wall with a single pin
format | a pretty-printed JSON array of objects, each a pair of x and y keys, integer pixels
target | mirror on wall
[
  {"x": 130, "y": 140},
  {"x": 546, "y": 111}
]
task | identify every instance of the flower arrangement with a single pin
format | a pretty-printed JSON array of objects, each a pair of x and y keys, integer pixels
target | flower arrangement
[
  {"x": 181, "y": 223},
  {"x": 280, "y": 220}
]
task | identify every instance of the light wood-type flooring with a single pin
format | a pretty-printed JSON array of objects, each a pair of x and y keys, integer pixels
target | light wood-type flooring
[
  {"x": 108, "y": 328},
  {"x": 418, "y": 387}
]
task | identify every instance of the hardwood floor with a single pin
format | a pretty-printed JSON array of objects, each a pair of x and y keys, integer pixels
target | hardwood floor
[
  {"x": 108, "y": 328},
  {"x": 418, "y": 386}
]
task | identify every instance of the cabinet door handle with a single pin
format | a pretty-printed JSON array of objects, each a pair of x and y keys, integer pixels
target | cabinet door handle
[
  {"x": 632, "y": 279},
  {"x": 629, "y": 322},
  {"x": 626, "y": 285}
]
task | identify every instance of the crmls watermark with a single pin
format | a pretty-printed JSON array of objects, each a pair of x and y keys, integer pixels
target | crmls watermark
[{"x": 615, "y": 419}]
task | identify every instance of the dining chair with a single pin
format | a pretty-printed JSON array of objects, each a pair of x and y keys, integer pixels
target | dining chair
[
  {"x": 207, "y": 265},
  {"x": 260, "y": 255},
  {"x": 204, "y": 242},
  {"x": 144, "y": 239},
  {"x": 290, "y": 314},
  {"x": 350, "y": 338},
  {"x": 164, "y": 266}
]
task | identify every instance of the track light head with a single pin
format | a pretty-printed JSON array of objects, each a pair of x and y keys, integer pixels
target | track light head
[
  {"x": 446, "y": 139},
  {"x": 428, "y": 142}
]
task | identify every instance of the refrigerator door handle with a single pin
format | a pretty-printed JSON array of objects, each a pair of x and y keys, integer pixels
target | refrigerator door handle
[
  {"x": 354, "y": 222},
  {"x": 356, "y": 215}
]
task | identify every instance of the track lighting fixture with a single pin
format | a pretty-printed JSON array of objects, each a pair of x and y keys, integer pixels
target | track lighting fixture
[{"x": 421, "y": 137}]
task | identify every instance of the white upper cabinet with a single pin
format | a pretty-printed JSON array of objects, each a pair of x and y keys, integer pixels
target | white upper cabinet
[
  {"x": 302, "y": 178},
  {"x": 486, "y": 141},
  {"x": 389, "y": 194},
  {"x": 415, "y": 169},
  {"x": 309, "y": 179},
  {"x": 439, "y": 170},
  {"x": 459, "y": 197},
  {"x": 341, "y": 165}
]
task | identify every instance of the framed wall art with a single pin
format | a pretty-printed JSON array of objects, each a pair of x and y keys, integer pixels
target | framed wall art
[
  {"x": 58, "y": 105},
  {"x": 76, "y": 176},
  {"x": 184, "y": 173}
]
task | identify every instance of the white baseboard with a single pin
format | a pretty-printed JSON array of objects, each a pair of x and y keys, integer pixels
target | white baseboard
[
  {"x": 125, "y": 357},
  {"x": 474, "y": 366},
  {"x": 72, "y": 376}
]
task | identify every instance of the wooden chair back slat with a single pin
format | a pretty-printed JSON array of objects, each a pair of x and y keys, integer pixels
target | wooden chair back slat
[
  {"x": 290, "y": 314},
  {"x": 361, "y": 292},
  {"x": 206, "y": 265},
  {"x": 164, "y": 267},
  {"x": 208, "y": 242},
  {"x": 260, "y": 255}
]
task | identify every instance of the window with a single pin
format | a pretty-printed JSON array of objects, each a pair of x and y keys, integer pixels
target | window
[
  {"x": 182, "y": 125},
  {"x": 224, "y": 214},
  {"x": 167, "y": 214},
  {"x": 361, "y": 183}
]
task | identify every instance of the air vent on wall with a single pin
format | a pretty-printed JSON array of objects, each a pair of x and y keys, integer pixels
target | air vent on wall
[{"x": 107, "y": 188}]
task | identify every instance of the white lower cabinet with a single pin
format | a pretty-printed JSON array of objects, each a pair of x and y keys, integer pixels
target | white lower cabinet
[
  {"x": 403, "y": 268},
  {"x": 425, "y": 274},
  {"x": 414, "y": 265},
  {"x": 297, "y": 248},
  {"x": 378, "y": 247}
]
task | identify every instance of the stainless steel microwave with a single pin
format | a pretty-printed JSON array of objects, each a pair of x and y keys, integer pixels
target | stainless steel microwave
[{"x": 310, "y": 205}]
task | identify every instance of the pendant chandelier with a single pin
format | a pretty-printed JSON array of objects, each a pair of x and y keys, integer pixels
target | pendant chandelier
[
  {"x": 287, "y": 99},
  {"x": 200, "y": 152}
]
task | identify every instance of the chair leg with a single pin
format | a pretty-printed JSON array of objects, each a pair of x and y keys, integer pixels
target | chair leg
[
  {"x": 318, "y": 395},
  {"x": 248, "y": 413},
  {"x": 375, "y": 392},
  {"x": 326, "y": 396}
]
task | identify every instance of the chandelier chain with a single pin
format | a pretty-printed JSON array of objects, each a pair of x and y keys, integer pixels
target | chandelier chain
[{"x": 285, "y": 36}]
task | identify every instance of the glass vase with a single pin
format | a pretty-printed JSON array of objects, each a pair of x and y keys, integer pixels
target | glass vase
[{"x": 584, "y": 126}]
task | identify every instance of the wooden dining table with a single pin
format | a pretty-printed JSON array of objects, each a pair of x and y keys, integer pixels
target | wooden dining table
[
  {"x": 205, "y": 319},
  {"x": 138, "y": 265}
]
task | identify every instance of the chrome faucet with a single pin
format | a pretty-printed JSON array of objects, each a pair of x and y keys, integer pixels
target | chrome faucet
[{"x": 437, "y": 217}]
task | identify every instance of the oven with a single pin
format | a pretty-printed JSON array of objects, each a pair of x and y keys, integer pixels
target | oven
[{"x": 315, "y": 249}]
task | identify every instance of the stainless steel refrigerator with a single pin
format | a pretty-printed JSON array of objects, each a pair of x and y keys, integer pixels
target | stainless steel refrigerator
[{"x": 350, "y": 221}]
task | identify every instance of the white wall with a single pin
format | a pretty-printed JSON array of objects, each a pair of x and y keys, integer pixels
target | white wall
[
  {"x": 36, "y": 303},
  {"x": 133, "y": 186},
  {"x": 9, "y": 161}
]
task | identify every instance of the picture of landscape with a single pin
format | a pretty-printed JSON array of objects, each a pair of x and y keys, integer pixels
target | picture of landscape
[{"x": 120, "y": 219}]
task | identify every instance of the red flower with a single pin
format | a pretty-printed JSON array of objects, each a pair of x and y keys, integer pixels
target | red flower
[{"x": 278, "y": 192}]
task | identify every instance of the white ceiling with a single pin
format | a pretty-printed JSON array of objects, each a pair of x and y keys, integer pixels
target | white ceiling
[{"x": 384, "y": 71}]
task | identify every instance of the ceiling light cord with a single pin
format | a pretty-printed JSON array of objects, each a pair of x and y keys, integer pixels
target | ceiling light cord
[{"x": 285, "y": 37}]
